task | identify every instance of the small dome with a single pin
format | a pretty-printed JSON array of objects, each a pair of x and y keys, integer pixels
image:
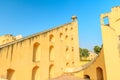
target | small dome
[{"x": 74, "y": 18}]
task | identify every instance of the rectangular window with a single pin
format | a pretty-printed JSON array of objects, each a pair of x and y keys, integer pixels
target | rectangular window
[{"x": 106, "y": 20}]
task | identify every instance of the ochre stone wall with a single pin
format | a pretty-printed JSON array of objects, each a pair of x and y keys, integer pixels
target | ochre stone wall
[
  {"x": 106, "y": 66},
  {"x": 41, "y": 56},
  {"x": 111, "y": 43},
  {"x": 92, "y": 70},
  {"x": 6, "y": 39}
]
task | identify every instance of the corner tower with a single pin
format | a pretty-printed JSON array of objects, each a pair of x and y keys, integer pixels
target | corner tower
[{"x": 111, "y": 42}]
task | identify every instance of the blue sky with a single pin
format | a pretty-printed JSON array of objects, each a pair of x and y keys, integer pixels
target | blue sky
[{"x": 27, "y": 17}]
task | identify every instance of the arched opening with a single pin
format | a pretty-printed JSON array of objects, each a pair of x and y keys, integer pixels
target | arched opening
[
  {"x": 72, "y": 38},
  {"x": 35, "y": 75},
  {"x": 86, "y": 77},
  {"x": 72, "y": 49},
  {"x": 10, "y": 73},
  {"x": 66, "y": 29},
  {"x": 67, "y": 64},
  {"x": 73, "y": 62},
  {"x": 51, "y": 53},
  {"x": 99, "y": 73},
  {"x": 67, "y": 53},
  {"x": 67, "y": 49},
  {"x": 66, "y": 37},
  {"x": 51, "y": 71},
  {"x": 36, "y": 52},
  {"x": 51, "y": 38},
  {"x": 61, "y": 36}
]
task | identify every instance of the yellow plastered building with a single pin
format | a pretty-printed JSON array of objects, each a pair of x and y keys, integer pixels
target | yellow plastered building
[
  {"x": 40, "y": 56},
  {"x": 106, "y": 66},
  {"x": 111, "y": 45},
  {"x": 50, "y": 54}
]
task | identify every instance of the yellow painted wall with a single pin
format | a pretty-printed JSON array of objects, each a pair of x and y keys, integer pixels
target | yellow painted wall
[
  {"x": 110, "y": 36},
  {"x": 109, "y": 57},
  {"x": 91, "y": 70},
  {"x": 6, "y": 39},
  {"x": 51, "y": 53},
  {"x": 61, "y": 43}
]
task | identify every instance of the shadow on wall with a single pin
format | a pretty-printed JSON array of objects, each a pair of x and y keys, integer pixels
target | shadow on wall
[{"x": 87, "y": 77}]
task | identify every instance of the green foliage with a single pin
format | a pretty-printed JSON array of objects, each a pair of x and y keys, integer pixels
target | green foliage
[
  {"x": 84, "y": 52},
  {"x": 97, "y": 49}
]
